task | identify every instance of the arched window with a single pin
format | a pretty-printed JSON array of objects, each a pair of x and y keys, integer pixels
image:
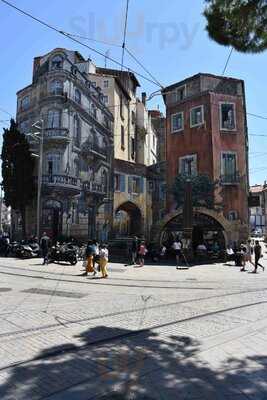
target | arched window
[
  {"x": 57, "y": 62},
  {"x": 54, "y": 119},
  {"x": 53, "y": 163},
  {"x": 77, "y": 96},
  {"x": 104, "y": 179},
  {"x": 25, "y": 103},
  {"x": 56, "y": 87},
  {"x": 77, "y": 131},
  {"x": 76, "y": 168}
]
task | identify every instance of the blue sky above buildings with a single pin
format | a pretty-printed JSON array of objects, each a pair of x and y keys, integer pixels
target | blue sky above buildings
[{"x": 168, "y": 37}]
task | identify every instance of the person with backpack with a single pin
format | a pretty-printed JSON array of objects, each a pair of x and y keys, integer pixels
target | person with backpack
[
  {"x": 141, "y": 253},
  {"x": 258, "y": 255},
  {"x": 89, "y": 254}
]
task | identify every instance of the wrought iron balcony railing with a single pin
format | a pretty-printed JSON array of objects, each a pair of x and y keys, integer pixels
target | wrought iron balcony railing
[
  {"x": 94, "y": 187},
  {"x": 56, "y": 133},
  {"x": 62, "y": 180},
  {"x": 230, "y": 179}
]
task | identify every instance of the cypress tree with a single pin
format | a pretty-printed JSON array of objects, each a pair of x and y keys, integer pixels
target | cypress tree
[{"x": 17, "y": 171}]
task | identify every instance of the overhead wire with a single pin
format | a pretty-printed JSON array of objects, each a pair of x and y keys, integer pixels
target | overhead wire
[
  {"x": 227, "y": 61},
  {"x": 67, "y": 35}
]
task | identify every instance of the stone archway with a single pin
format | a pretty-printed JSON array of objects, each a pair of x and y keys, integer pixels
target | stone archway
[
  {"x": 220, "y": 224},
  {"x": 128, "y": 220}
]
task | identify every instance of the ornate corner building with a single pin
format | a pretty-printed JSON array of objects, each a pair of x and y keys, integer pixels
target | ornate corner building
[
  {"x": 78, "y": 147},
  {"x": 207, "y": 135}
]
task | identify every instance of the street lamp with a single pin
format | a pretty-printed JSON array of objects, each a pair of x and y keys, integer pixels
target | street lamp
[{"x": 39, "y": 125}]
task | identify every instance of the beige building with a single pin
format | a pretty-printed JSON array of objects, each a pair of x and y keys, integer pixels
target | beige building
[{"x": 135, "y": 148}]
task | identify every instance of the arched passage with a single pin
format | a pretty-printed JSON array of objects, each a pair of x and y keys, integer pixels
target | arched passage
[
  {"x": 208, "y": 226},
  {"x": 128, "y": 220}
]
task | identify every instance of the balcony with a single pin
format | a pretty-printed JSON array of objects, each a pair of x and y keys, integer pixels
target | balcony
[
  {"x": 230, "y": 179},
  {"x": 94, "y": 149},
  {"x": 94, "y": 187},
  {"x": 67, "y": 183},
  {"x": 60, "y": 135}
]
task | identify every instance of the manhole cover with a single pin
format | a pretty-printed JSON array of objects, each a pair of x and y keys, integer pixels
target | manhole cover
[
  {"x": 5, "y": 289},
  {"x": 55, "y": 293}
]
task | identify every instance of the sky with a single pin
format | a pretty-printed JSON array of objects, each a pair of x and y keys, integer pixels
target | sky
[{"x": 167, "y": 37}]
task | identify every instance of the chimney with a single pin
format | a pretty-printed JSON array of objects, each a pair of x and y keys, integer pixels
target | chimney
[{"x": 144, "y": 98}]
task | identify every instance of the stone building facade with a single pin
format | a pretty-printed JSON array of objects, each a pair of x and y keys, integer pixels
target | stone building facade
[
  {"x": 207, "y": 134},
  {"x": 78, "y": 146},
  {"x": 135, "y": 148}
]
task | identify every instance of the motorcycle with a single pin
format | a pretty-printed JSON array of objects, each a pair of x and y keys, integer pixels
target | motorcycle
[
  {"x": 25, "y": 249},
  {"x": 63, "y": 253}
]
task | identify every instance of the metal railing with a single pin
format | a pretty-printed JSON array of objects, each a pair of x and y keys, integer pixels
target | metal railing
[
  {"x": 55, "y": 133},
  {"x": 230, "y": 179},
  {"x": 94, "y": 187},
  {"x": 62, "y": 180}
]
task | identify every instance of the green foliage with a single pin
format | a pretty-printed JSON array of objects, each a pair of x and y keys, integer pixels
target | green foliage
[
  {"x": 241, "y": 24},
  {"x": 17, "y": 170},
  {"x": 202, "y": 190}
]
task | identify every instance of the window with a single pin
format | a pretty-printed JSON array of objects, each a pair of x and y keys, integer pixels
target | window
[
  {"x": 57, "y": 62},
  {"x": 196, "y": 116},
  {"x": 180, "y": 93},
  {"x": 132, "y": 148},
  {"x": 227, "y": 116},
  {"x": 228, "y": 167},
  {"x": 25, "y": 103},
  {"x": 105, "y": 84},
  {"x": 119, "y": 183},
  {"x": 77, "y": 131},
  {"x": 77, "y": 96},
  {"x": 56, "y": 88},
  {"x": 24, "y": 126},
  {"x": 188, "y": 165},
  {"x": 133, "y": 118},
  {"x": 76, "y": 168},
  {"x": 232, "y": 215},
  {"x": 53, "y": 163},
  {"x": 177, "y": 122},
  {"x": 104, "y": 179},
  {"x": 122, "y": 138},
  {"x": 54, "y": 119},
  {"x": 94, "y": 110},
  {"x": 135, "y": 184},
  {"x": 105, "y": 99},
  {"x": 121, "y": 107}
]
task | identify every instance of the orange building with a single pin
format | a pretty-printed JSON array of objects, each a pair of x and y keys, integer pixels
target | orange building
[{"x": 207, "y": 134}]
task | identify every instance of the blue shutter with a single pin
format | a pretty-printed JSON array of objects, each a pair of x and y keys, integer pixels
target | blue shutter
[
  {"x": 141, "y": 184},
  {"x": 130, "y": 184},
  {"x": 122, "y": 183}
]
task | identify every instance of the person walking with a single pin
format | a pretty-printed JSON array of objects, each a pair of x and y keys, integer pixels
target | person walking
[
  {"x": 103, "y": 260},
  {"x": 89, "y": 254},
  {"x": 133, "y": 250},
  {"x": 177, "y": 247},
  {"x": 45, "y": 244},
  {"x": 141, "y": 254},
  {"x": 96, "y": 256},
  {"x": 258, "y": 255}
]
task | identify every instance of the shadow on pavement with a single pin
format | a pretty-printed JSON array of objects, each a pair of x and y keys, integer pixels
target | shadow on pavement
[{"x": 125, "y": 365}]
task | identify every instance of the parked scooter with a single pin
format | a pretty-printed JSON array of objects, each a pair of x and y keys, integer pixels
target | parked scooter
[
  {"x": 63, "y": 253},
  {"x": 25, "y": 249}
]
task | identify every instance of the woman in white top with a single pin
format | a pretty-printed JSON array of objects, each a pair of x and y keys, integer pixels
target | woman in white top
[
  {"x": 103, "y": 260},
  {"x": 177, "y": 247}
]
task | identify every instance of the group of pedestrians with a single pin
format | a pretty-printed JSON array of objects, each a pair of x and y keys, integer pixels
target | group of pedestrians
[
  {"x": 244, "y": 253},
  {"x": 96, "y": 254}
]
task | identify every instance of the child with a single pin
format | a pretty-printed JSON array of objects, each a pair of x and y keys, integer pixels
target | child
[
  {"x": 142, "y": 252},
  {"x": 103, "y": 260}
]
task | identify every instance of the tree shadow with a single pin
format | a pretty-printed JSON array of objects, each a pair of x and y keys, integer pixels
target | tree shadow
[{"x": 120, "y": 364}]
